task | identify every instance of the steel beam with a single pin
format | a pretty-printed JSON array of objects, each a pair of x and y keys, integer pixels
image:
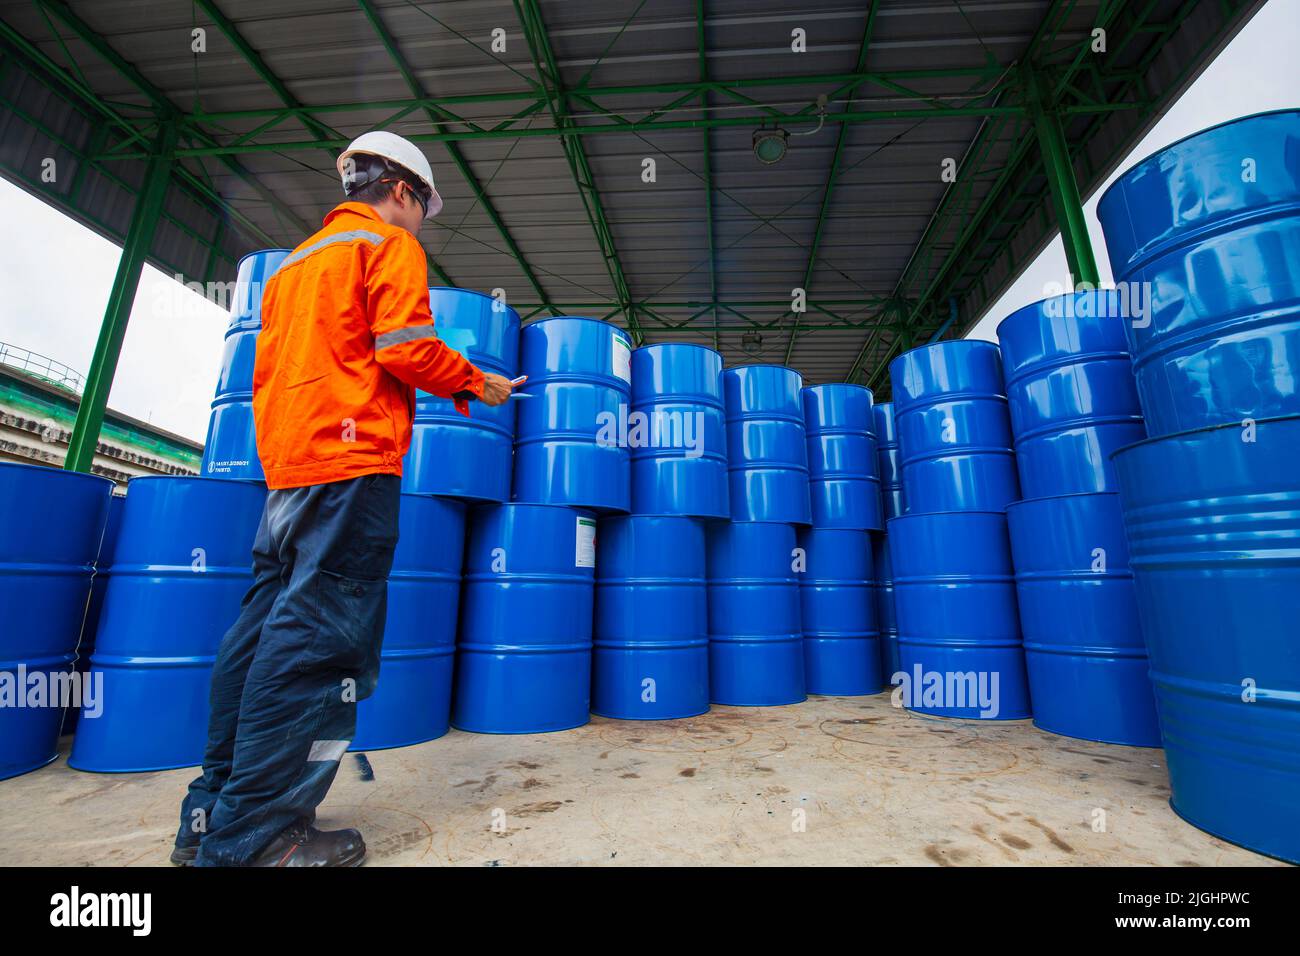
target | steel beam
[
  {"x": 254, "y": 59},
  {"x": 702, "y": 48},
  {"x": 840, "y": 137},
  {"x": 453, "y": 151},
  {"x": 1060, "y": 180},
  {"x": 548, "y": 74},
  {"x": 99, "y": 381},
  {"x": 163, "y": 105}
]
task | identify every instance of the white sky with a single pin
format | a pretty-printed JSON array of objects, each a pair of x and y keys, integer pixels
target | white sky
[
  {"x": 1259, "y": 70},
  {"x": 56, "y": 281}
]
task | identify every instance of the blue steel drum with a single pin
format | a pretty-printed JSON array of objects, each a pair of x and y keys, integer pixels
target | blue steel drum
[
  {"x": 1213, "y": 525},
  {"x": 651, "y": 654},
  {"x": 571, "y": 442},
  {"x": 844, "y": 482},
  {"x": 1071, "y": 392},
  {"x": 450, "y": 454},
  {"x": 182, "y": 566},
  {"x": 841, "y": 646},
  {"x": 767, "y": 452},
  {"x": 890, "y": 464},
  {"x": 755, "y": 635},
  {"x": 953, "y": 428},
  {"x": 1078, "y": 616},
  {"x": 680, "y": 466},
  {"x": 53, "y": 521},
  {"x": 1204, "y": 237},
  {"x": 86, "y": 645},
  {"x": 412, "y": 702},
  {"x": 230, "y": 450},
  {"x": 958, "y": 629},
  {"x": 886, "y": 613},
  {"x": 523, "y": 661}
]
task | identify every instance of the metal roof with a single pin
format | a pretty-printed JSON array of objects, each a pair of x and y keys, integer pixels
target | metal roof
[{"x": 539, "y": 148}]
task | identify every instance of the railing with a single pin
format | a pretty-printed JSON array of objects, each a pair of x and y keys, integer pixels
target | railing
[{"x": 40, "y": 366}]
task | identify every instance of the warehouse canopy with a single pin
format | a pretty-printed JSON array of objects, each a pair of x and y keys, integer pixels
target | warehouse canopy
[{"x": 604, "y": 158}]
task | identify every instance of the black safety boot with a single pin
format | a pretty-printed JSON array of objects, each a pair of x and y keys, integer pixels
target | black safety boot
[
  {"x": 184, "y": 855},
  {"x": 301, "y": 845}
]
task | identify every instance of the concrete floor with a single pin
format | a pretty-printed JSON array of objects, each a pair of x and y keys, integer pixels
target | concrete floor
[{"x": 877, "y": 786}]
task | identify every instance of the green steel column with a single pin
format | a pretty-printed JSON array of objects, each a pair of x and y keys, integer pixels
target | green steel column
[
  {"x": 144, "y": 219},
  {"x": 1060, "y": 179}
]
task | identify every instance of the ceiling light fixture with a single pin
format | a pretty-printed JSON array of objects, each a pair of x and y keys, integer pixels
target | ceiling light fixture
[{"x": 770, "y": 145}]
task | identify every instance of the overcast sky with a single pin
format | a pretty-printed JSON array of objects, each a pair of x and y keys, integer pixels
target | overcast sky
[{"x": 56, "y": 281}]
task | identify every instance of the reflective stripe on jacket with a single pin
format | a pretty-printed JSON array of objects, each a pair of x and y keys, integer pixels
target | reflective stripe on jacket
[{"x": 346, "y": 338}]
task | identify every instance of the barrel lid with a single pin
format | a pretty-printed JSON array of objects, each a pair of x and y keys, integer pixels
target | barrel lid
[
  {"x": 940, "y": 514},
  {"x": 1072, "y": 494},
  {"x": 1178, "y": 142},
  {"x": 783, "y": 368},
  {"x": 577, "y": 318},
  {"x": 475, "y": 292},
  {"x": 1203, "y": 430},
  {"x": 49, "y": 470},
  {"x": 651, "y": 346}
]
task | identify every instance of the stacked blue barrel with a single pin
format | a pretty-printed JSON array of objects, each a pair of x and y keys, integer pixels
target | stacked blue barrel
[
  {"x": 90, "y": 626},
  {"x": 412, "y": 701},
  {"x": 523, "y": 656},
  {"x": 53, "y": 522},
  {"x": 180, "y": 569},
  {"x": 756, "y": 655},
  {"x": 468, "y": 458},
  {"x": 184, "y": 543},
  {"x": 230, "y": 450},
  {"x": 960, "y": 650},
  {"x": 1073, "y": 402},
  {"x": 1210, "y": 500},
  {"x": 455, "y": 461},
  {"x": 651, "y": 636},
  {"x": 891, "y": 506},
  {"x": 524, "y": 650},
  {"x": 842, "y": 654}
]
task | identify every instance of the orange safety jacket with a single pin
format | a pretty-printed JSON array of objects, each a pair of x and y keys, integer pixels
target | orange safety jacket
[{"x": 346, "y": 338}]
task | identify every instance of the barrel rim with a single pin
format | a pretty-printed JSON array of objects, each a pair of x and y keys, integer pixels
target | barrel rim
[
  {"x": 74, "y": 475},
  {"x": 773, "y": 365},
  {"x": 936, "y": 514},
  {"x": 260, "y": 252},
  {"x": 582, "y": 511},
  {"x": 481, "y": 295},
  {"x": 575, "y": 318},
  {"x": 1068, "y": 494},
  {"x": 647, "y": 514},
  {"x": 456, "y": 503},
  {"x": 1124, "y": 176},
  {"x": 676, "y": 345},
  {"x": 254, "y": 482},
  {"x": 1204, "y": 429},
  {"x": 1037, "y": 304},
  {"x": 948, "y": 343},
  {"x": 820, "y": 385}
]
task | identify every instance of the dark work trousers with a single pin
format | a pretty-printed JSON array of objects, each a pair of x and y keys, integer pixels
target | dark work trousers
[{"x": 288, "y": 674}]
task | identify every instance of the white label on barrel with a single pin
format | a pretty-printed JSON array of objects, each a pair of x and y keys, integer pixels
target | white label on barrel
[
  {"x": 585, "y": 556},
  {"x": 622, "y": 359}
]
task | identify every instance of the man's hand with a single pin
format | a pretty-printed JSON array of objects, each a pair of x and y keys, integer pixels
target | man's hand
[{"x": 496, "y": 389}]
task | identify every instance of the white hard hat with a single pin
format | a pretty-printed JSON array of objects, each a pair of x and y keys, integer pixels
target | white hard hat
[{"x": 395, "y": 149}]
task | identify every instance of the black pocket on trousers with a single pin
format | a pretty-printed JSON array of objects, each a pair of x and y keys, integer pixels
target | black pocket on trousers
[{"x": 349, "y": 626}]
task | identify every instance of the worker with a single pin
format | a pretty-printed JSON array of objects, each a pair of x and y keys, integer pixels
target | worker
[{"x": 347, "y": 337}]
